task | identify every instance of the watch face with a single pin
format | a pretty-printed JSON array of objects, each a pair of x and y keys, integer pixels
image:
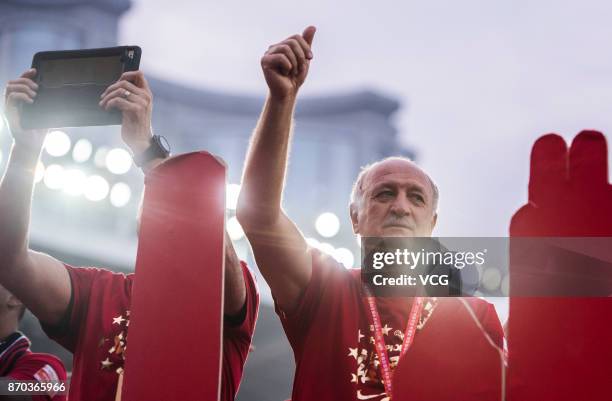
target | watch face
[{"x": 163, "y": 143}]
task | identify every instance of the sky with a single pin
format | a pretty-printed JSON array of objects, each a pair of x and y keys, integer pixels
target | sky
[{"x": 479, "y": 81}]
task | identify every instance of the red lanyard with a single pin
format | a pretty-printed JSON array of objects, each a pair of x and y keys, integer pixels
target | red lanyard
[{"x": 379, "y": 340}]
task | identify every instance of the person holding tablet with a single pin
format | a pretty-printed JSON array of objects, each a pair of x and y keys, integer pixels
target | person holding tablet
[{"x": 87, "y": 310}]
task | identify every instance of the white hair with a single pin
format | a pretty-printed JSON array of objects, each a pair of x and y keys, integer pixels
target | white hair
[{"x": 357, "y": 191}]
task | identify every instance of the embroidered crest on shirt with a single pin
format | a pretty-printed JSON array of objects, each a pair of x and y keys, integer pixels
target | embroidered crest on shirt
[
  {"x": 47, "y": 374},
  {"x": 366, "y": 376},
  {"x": 116, "y": 344}
]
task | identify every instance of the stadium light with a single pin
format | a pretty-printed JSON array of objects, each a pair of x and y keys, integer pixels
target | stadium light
[
  {"x": 100, "y": 156},
  {"x": 344, "y": 256},
  {"x": 231, "y": 196},
  {"x": 234, "y": 229},
  {"x": 74, "y": 181},
  {"x": 54, "y": 176},
  {"x": 57, "y": 143},
  {"x": 82, "y": 151},
  {"x": 491, "y": 278},
  {"x": 312, "y": 242},
  {"x": 118, "y": 161},
  {"x": 327, "y": 224},
  {"x": 96, "y": 188},
  {"x": 120, "y": 194},
  {"x": 327, "y": 248}
]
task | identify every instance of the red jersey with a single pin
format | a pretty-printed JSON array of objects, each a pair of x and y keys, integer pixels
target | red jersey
[
  {"x": 17, "y": 362},
  {"x": 95, "y": 330},
  {"x": 333, "y": 340}
]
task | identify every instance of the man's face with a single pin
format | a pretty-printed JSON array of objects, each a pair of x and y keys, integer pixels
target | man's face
[{"x": 397, "y": 201}]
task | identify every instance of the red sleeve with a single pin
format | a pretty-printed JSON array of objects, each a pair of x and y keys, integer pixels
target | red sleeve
[
  {"x": 487, "y": 316},
  {"x": 67, "y": 331},
  {"x": 326, "y": 273},
  {"x": 492, "y": 325},
  {"x": 237, "y": 336},
  {"x": 40, "y": 367}
]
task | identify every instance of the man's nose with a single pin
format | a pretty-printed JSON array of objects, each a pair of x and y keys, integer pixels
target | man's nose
[{"x": 400, "y": 206}]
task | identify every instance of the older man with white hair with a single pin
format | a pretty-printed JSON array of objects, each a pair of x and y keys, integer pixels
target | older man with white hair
[{"x": 345, "y": 345}]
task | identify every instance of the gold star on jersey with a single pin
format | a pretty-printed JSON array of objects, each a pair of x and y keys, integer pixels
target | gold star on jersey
[
  {"x": 116, "y": 343},
  {"x": 366, "y": 359}
]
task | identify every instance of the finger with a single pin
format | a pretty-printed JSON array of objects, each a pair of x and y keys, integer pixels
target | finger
[
  {"x": 304, "y": 45},
  {"x": 141, "y": 99},
  {"x": 31, "y": 73},
  {"x": 125, "y": 85},
  {"x": 286, "y": 50},
  {"x": 16, "y": 97},
  {"x": 588, "y": 159},
  {"x": 136, "y": 77},
  {"x": 299, "y": 53},
  {"x": 125, "y": 90},
  {"x": 278, "y": 62},
  {"x": 25, "y": 81},
  {"x": 548, "y": 171},
  {"x": 308, "y": 34},
  {"x": 121, "y": 104},
  {"x": 20, "y": 88}
]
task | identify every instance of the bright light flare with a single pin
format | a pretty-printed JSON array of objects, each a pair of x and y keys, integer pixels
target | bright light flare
[
  {"x": 57, "y": 143},
  {"x": 82, "y": 151},
  {"x": 120, "y": 194},
  {"x": 231, "y": 196},
  {"x": 327, "y": 224},
  {"x": 96, "y": 188},
  {"x": 100, "y": 156},
  {"x": 54, "y": 176},
  {"x": 118, "y": 161},
  {"x": 344, "y": 256},
  {"x": 74, "y": 182},
  {"x": 491, "y": 278},
  {"x": 234, "y": 229}
]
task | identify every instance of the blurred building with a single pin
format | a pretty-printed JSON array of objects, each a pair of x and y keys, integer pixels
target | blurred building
[{"x": 88, "y": 191}]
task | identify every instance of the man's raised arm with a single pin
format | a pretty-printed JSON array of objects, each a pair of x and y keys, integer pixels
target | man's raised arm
[
  {"x": 38, "y": 280},
  {"x": 280, "y": 249}
]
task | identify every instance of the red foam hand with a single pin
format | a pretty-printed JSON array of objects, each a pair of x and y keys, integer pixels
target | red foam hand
[
  {"x": 175, "y": 323},
  {"x": 559, "y": 347}
]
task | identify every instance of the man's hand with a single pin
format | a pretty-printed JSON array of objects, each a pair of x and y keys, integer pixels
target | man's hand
[
  {"x": 285, "y": 64},
  {"x": 132, "y": 96},
  {"x": 19, "y": 91}
]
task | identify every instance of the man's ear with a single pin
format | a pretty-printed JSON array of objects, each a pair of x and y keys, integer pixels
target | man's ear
[
  {"x": 353, "y": 210},
  {"x": 434, "y": 220}
]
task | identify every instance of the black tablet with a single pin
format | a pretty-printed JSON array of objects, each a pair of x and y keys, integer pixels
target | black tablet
[{"x": 70, "y": 83}]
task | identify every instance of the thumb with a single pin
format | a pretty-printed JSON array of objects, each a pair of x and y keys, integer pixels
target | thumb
[{"x": 308, "y": 34}]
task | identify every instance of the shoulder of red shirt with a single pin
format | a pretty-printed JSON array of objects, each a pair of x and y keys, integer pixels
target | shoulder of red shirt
[
  {"x": 42, "y": 368},
  {"x": 89, "y": 276}
]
